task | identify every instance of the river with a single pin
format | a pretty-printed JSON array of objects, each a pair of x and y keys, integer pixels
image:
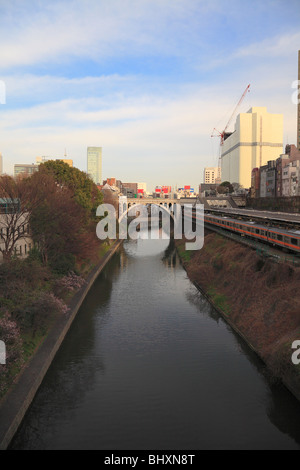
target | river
[{"x": 149, "y": 364}]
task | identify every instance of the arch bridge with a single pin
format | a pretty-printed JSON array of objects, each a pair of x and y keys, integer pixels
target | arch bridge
[{"x": 168, "y": 205}]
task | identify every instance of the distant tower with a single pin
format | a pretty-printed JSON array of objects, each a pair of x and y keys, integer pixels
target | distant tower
[
  {"x": 94, "y": 164},
  {"x": 298, "y": 121}
]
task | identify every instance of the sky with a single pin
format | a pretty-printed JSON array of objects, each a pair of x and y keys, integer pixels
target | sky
[{"x": 146, "y": 80}]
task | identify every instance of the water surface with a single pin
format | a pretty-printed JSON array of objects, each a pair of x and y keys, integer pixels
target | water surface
[{"x": 149, "y": 364}]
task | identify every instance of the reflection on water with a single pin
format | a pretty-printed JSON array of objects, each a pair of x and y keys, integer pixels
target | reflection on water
[{"x": 149, "y": 364}]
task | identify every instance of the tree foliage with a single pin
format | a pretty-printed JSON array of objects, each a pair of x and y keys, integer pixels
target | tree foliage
[
  {"x": 85, "y": 191},
  {"x": 225, "y": 188},
  {"x": 60, "y": 226}
]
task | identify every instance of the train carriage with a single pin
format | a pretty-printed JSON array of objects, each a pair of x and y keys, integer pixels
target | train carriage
[{"x": 289, "y": 239}]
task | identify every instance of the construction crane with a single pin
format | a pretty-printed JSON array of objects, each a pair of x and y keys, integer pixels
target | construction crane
[{"x": 222, "y": 134}]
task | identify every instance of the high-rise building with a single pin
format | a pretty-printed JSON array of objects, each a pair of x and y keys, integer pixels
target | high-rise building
[
  {"x": 211, "y": 175},
  {"x": 298, "y": 120},
  {"x": 94, "y": 164},
  {"x": 257, "y": 139}
]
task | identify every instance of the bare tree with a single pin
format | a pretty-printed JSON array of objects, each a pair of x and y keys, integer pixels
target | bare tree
[{"x": 16, "y": 199}]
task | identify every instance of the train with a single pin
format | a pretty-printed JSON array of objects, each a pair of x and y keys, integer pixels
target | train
[{"x": 277, "y": 237}]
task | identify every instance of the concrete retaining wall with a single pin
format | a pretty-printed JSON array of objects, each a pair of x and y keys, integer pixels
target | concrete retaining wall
[
  {"x": 281, "y": 204},
  {"x": 18, "y": 400}
]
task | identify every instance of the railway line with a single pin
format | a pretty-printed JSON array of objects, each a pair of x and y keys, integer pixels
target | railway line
[
  {"x": 271, "y": 234},
  {"x": 270, "y": 218}
]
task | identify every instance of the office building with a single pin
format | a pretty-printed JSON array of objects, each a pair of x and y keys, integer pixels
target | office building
[
  {"x": 142, "y": 188},
  {"x": 94, "y": 164},
  {"x": 40, "y": 160},
  {"x": 257, "y": 139},
  {"x": 24, "y": 169},
  {"x": 281, "y": 162},
  {"x": 212, "y": 175},
  {"x": 130, "y": 189}
]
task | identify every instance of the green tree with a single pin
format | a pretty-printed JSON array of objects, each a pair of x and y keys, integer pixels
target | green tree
[
  {"x": 86, "y": 192},
  {"x": 225, "y": 188}
]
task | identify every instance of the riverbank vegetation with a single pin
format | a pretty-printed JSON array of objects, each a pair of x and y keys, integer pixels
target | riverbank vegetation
[
  {"x": 256, "y": 295},
  {"x": 58, "y": 203}
]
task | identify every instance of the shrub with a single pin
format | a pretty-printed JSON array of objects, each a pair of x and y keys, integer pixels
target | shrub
[
  {"x": 10, "y": 334},
  {"x": 38, "y": 314},
  {"x": 62, "y": 264},
  {"x": 69, "y": 283}
]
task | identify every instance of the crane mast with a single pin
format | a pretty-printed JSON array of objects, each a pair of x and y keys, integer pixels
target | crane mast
[{"x": 223, "y": 133}]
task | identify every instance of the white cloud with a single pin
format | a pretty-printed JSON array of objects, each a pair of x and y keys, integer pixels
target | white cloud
[
  {"x": 281, "y": 46},
  {"x": 145, "y": 138},
  {"x": 150, "y": 127},
  {"x": 99, "y": 29}
]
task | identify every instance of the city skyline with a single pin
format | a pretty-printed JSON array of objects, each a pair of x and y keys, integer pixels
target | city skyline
[{"x": 148, "y": 83}]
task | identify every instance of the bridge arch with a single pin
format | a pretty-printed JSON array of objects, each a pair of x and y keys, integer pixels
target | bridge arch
[{"x": 131, "y": 205}]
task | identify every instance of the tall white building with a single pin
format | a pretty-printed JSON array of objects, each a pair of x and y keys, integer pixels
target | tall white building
[
  {"x": 257, "y": 139},
  {"x": 211, "y": 175},
  {"x": 94, "y": 164}
]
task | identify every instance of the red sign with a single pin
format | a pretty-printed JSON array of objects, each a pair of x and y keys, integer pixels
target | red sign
[{"x": 166, "y": 189}]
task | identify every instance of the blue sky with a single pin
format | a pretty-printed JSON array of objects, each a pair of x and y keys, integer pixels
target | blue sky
[{"x": 147, "y": 80}]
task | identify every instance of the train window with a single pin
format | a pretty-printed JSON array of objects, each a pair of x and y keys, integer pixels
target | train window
[
  {"x": 294, "y": 241},
  {"x": 279, "y": 237},
  {"x": 257, "y": 230}
]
